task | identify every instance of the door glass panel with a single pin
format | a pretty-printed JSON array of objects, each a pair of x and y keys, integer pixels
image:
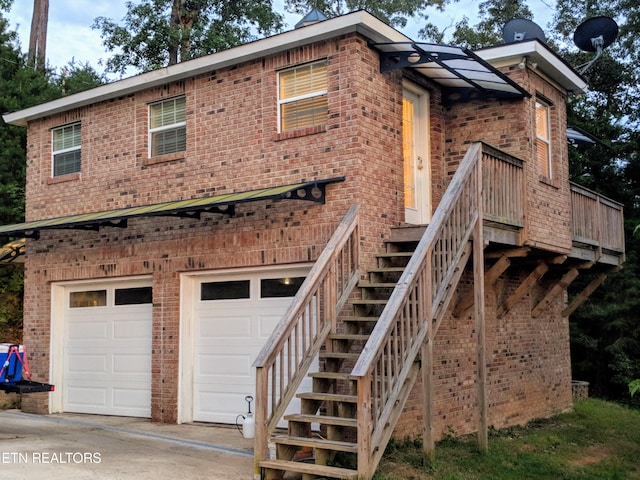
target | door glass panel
[
  {"x": 230, "y": 290},
  {"x": 408, "y": 126},
  {"x": 92, "y": 298},
  {"x": 280, "y": 287},
  {"x": 133, "y": 296}
]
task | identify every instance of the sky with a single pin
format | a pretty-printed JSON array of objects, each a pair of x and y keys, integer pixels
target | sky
[{"x": 70, "y": 36}]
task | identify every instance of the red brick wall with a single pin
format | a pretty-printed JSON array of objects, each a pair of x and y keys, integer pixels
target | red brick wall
[{"x": 528, "y": 364}]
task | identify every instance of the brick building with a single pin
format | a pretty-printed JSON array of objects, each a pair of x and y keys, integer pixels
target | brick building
[{"x": 172, "y": 217}]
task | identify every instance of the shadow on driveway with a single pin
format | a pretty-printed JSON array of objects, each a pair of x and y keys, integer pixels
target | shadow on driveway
[{"x": 72, "y": 446}]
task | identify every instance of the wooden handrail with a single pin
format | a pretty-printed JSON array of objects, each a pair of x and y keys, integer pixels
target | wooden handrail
[
  {"x": 597, "y": 221},
  {"x": 289, "y": 352},
  {"x": 386, "y": 361}
]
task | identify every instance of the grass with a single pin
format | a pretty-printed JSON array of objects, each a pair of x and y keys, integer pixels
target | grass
[{"x": 598, "y": 440}]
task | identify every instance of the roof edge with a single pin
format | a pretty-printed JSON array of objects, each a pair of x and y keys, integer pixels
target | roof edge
[
  {"x": 539, "y": 53},
  {"x": 360, "y": 21}
]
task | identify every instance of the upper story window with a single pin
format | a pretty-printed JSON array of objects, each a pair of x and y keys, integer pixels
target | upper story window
[
  {"x": 543, "y": 139},
  {"x": 66, "y": 149},
  {"x": 302, "y": 96},
  {"x": 167, "y": 127}
]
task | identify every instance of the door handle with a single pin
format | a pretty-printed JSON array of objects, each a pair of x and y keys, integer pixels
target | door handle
[{"x": 420, "y": 163}]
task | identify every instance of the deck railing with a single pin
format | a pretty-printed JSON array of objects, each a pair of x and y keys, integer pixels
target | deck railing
[
  {"x": 295, "y": 342},
  {"x": 502, "y": 188},
  {"x": 597, "y": 221},
  {"x": 385, "y": 364}
]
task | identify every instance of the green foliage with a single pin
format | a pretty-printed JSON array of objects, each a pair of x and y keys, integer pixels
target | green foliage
[
  {"x": 392, "y": 12},
  {"x": 493, "y": 15},
  {"x": 158, "y": 33},
  {"x": 11, "y": 292},
  {"x": 634, "y": 387}
]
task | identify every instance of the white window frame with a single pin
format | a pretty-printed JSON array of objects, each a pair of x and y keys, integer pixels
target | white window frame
[
  {"x": 546, "y": 140},
  {"x": 73, "y": 148},
  {"x": 294, "y": 99},
  {"x": 164, "y": 128}
]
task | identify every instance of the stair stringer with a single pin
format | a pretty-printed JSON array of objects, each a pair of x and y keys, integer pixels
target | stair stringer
[{"x": 392, "y": 414}]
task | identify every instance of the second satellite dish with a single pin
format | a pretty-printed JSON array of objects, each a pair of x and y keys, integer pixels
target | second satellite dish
[
  {"x": 594, "y": 35},
  {"x": 520, "y": 29}
]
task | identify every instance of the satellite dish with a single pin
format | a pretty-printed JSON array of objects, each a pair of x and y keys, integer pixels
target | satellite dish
[
  {"x": 594, "y": 35},
  {"x": 520, "y": 29}
]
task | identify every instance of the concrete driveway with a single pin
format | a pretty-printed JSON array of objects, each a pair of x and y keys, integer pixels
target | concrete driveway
[{"x": 71, "y": 446}]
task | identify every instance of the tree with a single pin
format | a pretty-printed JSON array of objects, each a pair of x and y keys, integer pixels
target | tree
[
  {"x": 493, "y": 14},
  {"x": 605, "y": 331},
  {"x": 38, "y": 36},
  {"x": 392, "y": 12},
  {"x": 158, "y": 33}
]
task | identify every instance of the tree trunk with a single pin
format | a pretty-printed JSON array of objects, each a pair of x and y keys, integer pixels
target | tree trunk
[{"x": 38, "y": 34}]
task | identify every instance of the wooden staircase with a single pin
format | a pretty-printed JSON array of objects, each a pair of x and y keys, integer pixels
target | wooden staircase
[
  {"x": 330, "y": 451},
  {"x": 372, "y": 354}
]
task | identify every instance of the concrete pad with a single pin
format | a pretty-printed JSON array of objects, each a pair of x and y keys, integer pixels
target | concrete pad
[{"x": 72, "y": 446}]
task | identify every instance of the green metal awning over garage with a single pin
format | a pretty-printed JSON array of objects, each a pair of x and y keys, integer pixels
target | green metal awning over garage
[
  {"x": 311, "y": 191},
  {"x": 462, "y": 74}
]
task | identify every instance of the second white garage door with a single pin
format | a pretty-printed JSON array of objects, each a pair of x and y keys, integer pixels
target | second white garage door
[{"x": 233, "y": 316}]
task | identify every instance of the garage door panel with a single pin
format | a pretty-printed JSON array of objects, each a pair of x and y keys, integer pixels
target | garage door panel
[
  {"x": 87, "y": 364},
  {"x": 87, "y": 330},
  {"x": 131, "y": 397},
  {"x": 228, "y": 326},
  {"x": 132, "y": 364},
  {"x": 223, "y": 365},
  {"x": 84, "y": 395},
  {"x": 132, "y": 331}
]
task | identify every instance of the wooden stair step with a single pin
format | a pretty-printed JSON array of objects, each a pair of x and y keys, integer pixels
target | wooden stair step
[
  {"x": 322, "y": 419},
  {"x": 311, "y": 469},
  {"x": 387, "y": 269},
  {"x": 349, "y": 336},
  {"x": 331, "y": 397},
  {"x": 319, "y": 443},
  {"x": 394, "y": 254},
  {"x": 368, "y": 284},
  {"x": 368, "y": 301},
  {"x": 359, "y": 318},
  {"x": 338, "y": 355},
  {"x": 333, "y": 375}
]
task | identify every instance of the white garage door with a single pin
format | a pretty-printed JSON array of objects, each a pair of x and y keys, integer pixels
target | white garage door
[
  {"x": 107, "y": 349},
  {"x": 233, "y": 318}
]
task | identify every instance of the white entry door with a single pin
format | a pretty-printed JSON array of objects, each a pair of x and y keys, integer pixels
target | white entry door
[{"x": 417, "y": 166}]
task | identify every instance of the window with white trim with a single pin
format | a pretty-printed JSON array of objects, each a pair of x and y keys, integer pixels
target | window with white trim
[
  {"x": 66, "y": 150},
  {"x": 543, "y": 139},
  {"x": 167, "y": 127},
  {"x": 302, "y": 96}
]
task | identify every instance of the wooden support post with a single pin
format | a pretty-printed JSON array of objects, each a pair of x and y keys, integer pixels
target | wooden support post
[
  {"x": 521, "y": 291},
  {"x": 584, "y": 294},
  {"x": 429, "y": 443},
  {"x": 479, "y": 315},
  {"x": 260, "y": 445},
  {"x": 557, "y": 289}
]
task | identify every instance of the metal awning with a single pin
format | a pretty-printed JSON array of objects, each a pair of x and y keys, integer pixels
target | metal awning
[
  {"x": 312, "y": 191},
  {"x": 463, "y": 75},
  {"x": 12, "y": 251}
]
